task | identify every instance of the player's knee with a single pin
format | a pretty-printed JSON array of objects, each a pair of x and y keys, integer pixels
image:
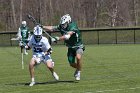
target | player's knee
[
  {"x": 78, "y": 56},
  {"x": 32, "y": 62},
  {"x": 50, "y": 65}
]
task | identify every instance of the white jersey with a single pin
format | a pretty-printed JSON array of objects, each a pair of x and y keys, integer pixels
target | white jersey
[{"x": 39, "y": 47}]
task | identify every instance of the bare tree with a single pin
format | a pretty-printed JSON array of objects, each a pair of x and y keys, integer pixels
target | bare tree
[
  {"x": 13, "y": 12},
  {"x": 87, "y": 13},
  {"x": 135, "y": 5},
  {"x": 21, "y": 8}
]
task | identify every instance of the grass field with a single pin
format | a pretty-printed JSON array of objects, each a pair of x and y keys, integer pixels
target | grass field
[{"x": 106, "y": 69}]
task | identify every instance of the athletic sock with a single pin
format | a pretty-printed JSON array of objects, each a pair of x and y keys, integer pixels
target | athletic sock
[
  {"x": 24, "y": 50},
  {"x": 78, "y": 72},
  {"x": 33, "y": 79}
]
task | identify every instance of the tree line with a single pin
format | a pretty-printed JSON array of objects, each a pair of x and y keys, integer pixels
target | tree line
[{"x": 87, "y": 13}]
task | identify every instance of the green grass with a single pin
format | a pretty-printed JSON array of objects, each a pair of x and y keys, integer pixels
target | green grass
[{"x": 106, "y": 69}]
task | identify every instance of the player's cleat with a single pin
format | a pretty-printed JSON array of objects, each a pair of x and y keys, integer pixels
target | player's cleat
[
  {"x": 77, "y": 77},
  {"x": 56, "y": 77},
  {"x": 26, "y": 53},
  {"x": 75, "y": 73},
  {"x": 32, "y": 83}
]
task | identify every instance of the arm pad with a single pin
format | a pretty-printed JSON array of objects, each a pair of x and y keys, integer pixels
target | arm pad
[{"x": 67, "y": 36}]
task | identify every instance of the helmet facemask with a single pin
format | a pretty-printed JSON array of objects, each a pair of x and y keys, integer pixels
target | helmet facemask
[
  {"x": 38, "y": 37},
  {"x": 65, "y": 25}
]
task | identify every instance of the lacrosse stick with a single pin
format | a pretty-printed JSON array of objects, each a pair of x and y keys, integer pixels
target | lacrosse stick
[
  {"x": 36, "y": 23},
  {"x": 22, "y": 61},
  {"x": 22, "y": 57}
]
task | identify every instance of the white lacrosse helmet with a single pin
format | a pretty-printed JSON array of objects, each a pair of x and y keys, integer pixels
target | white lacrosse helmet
[
  {"x": 65, "y": 18},
  {"x": 38, "y": 33},
  {"x": 23, "y": 23}
]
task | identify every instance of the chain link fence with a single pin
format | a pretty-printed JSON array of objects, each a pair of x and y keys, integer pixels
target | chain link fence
[{"x": 89, "y": 36}]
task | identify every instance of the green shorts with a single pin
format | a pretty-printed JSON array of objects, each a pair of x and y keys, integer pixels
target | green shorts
[{"x": 71, "y": 54}]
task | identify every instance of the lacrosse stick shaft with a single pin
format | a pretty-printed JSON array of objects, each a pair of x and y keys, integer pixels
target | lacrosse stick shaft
[
  {"x": 47, "y": 34},
  {"x": 22, "y": 62},
  {"x": 36, "y": 23}
]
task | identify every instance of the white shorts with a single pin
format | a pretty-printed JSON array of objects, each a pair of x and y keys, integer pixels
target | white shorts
[{"x": 39, "y": 58}]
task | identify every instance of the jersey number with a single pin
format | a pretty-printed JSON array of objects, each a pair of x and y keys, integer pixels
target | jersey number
[
  {"x": 24, "y": 33},
  {"x": 37, "y": 49}
]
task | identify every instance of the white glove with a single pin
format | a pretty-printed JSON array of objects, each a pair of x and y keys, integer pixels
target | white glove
[{"x": 55, "y": 39}]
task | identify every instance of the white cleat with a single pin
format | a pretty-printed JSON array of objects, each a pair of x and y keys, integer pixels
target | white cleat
[
  {"x": 31, "y": 84},
  {"x": 56, "y": 77},
  {"x": 77, "y": 78},
  {"x": 75, "y": 73},
  {"x": 25, "y": 53}
]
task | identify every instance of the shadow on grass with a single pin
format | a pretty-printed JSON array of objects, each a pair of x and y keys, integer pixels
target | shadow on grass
[{"x": 44, "y": 83}]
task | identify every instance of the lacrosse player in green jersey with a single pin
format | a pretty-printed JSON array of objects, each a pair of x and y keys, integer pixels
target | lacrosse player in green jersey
[
  {"x": 23, "y": 35},
  {"x": 72, "y": 37}
]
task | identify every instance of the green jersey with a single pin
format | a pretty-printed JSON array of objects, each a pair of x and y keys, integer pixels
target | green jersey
[
  {"x": 75, "y": 40},
  {"x": 24, "y": 32}
]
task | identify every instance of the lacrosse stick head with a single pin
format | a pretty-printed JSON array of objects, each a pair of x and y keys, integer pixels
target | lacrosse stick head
[{"x": 29, "y": 16}]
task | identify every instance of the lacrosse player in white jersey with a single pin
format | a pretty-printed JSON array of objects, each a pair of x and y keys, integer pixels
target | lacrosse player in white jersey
[{"x": 41, "y": 53}]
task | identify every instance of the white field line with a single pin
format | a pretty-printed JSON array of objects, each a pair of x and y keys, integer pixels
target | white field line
[{"x": 102, "y": 91}]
